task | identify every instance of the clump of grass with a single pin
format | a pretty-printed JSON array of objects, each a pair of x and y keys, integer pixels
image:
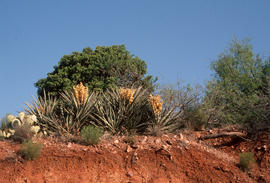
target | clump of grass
[
  {"x": 91, "y": 134},
  {"x": 246, "y": 161},
  {"x": 30, "y": 150}
]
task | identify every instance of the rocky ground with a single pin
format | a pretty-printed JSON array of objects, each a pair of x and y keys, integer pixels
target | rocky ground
[{"x": 180, "y": 157}]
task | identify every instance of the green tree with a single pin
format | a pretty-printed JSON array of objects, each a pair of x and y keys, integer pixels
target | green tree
[
  {"x": 99, "y": 69},
  {"x": 233, "y": 96}
]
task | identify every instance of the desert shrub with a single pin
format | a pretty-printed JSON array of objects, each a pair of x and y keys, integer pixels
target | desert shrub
[
  {"x": 30, "y": 150},
  {"x": 185, "y": 100},
  {"x": 235, "y": 94},
  {"x": 99, "y": 69},
  {"x": 45, "y": 108},
  {"x": 238, "y": 92},
  {"x": 164, "y": 119},
  {"x": 23, "y": 133},
  {"x": 91, "y": 134},
  {"x": 246, "y": 161},
  {"x": 195, "y": 118},
  {"x": 65, "y": 115},
  {"x": 123, "y": 110}
]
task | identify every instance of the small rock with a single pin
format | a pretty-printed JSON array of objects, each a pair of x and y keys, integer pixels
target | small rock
[
  {"x": 116, "y": 141},
  {"x": 129, "y": 174},
  {"x": 168, "y": 142},
  {"x": 181, "y": 136},
  {"x": 164, "y": 147},
  {"x": 129, "y": 149},
  {"x": 144, "y": 140},
  {"x": 134, "y": 146},
  {"x": 69, "y": 145},
  {"x": 157, "y": 141}
]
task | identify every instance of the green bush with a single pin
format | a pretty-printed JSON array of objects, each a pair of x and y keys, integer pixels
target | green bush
[
  {"x": 91, "y": 134},
  {"x": 235, "y": 93},
  {"x": 30, "y": 150},
  {"x": 246, "y": 161},
  {"x": 99, "y": 69}
]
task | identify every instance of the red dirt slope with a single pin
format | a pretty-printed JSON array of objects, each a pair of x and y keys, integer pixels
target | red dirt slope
[{"x": 170, "y": 158}]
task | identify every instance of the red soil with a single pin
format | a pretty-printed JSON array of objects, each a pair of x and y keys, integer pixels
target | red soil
[{"x": 170, "y": 158}]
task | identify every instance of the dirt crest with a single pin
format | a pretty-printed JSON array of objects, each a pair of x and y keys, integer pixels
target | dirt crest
[{"x": 179, "y": 158}]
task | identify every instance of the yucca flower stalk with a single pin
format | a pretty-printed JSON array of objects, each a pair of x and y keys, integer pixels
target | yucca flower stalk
[
  {"x": 127, "y": 94},
  {"x": 165, "y": 119},
  {"x": 156, "y": 103},
  {"x": 81, "y": 93}
]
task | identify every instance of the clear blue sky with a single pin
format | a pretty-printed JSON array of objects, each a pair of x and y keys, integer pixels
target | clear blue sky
[{"x": 176, "y": 38}]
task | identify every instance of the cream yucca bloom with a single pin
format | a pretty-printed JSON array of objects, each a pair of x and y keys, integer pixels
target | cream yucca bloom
[
  {"x": 81, "y": 93},
  {"x": 156, "y": 103},
  {"x": 127, "y": 94}
]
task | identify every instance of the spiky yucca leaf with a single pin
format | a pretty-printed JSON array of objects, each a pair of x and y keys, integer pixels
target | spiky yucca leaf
[
  {"x": 166, "y": 120},
  {"x": 45, "y": 109},
  {"x": 117, "y": 114},
  {"x": 75, "y": 114},
  {"x": 65, "y": 115}
]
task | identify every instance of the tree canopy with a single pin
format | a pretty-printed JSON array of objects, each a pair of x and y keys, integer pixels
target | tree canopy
[
  {"x": 99, "y": 69},
  {"x": 236, "y": 93}
]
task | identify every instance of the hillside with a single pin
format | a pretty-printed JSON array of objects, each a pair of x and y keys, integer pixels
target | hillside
[{"x": 172, "y": 158}]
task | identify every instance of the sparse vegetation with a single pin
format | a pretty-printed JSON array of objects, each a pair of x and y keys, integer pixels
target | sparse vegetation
[
  {"x": 30, "y": 150},
  {"x": 239, "y": 93},
  {"x": 91, "y": 134},
  {"x": 246, "y": 161}
]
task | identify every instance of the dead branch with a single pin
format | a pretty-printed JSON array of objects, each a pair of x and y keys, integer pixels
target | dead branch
[{"x": 224, "y": 134}]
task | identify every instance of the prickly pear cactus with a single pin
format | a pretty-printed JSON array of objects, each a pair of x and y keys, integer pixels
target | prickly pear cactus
[{"x": 11, "y": 122}]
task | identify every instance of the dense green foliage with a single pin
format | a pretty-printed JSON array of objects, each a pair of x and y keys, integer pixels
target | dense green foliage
[
  {"x": 99, "y": 69},
  {"x": 240, "y": 84}
]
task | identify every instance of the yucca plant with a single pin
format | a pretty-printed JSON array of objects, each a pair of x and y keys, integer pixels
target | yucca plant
[
  {"x": 76, "y": 110},
  {"x": 121, "y": 110},
  {"x": 165, "y": 119},
  {"x": 65, "y": 115},
  {"x": 45, "y": 109}
]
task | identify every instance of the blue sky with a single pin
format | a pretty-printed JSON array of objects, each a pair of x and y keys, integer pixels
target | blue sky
[{"x": 176, "y": 38}]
